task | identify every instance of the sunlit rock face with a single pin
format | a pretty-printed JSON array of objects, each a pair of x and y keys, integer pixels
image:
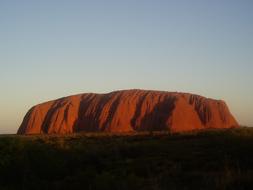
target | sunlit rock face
[{"x": 127, "y": 111}]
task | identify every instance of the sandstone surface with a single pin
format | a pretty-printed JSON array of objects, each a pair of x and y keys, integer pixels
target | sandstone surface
[{"x": 127, "y": 111}]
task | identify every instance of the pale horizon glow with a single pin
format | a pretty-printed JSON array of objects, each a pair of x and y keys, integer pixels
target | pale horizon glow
[{"x": 51, "y": 49}]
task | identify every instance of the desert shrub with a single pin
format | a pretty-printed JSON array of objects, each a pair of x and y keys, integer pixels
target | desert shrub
[{"x": 214, "y": 159}]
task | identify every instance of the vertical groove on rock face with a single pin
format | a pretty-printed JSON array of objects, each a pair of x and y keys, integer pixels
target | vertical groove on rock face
[
  {"x": 137, "y": 113},
  {"x": 126, "y": 111},
  {"x": 222, "y": 110},
  {"x": 202, "y": 107},
  {"x": 112, "y": 110},
  {"x": 84, "y": 121},
  {"x": 157, "y": 118},
  {"x": 46, "y": 122}
]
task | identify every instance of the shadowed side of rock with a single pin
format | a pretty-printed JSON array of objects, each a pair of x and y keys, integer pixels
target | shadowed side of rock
[{"x": 127, "y": 111}]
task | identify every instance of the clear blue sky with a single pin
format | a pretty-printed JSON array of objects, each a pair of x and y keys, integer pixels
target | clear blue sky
[{"x": 54, "y": 48}]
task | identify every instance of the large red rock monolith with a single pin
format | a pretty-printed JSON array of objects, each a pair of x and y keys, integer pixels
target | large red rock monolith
[{"x": 127, "y": 111}]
